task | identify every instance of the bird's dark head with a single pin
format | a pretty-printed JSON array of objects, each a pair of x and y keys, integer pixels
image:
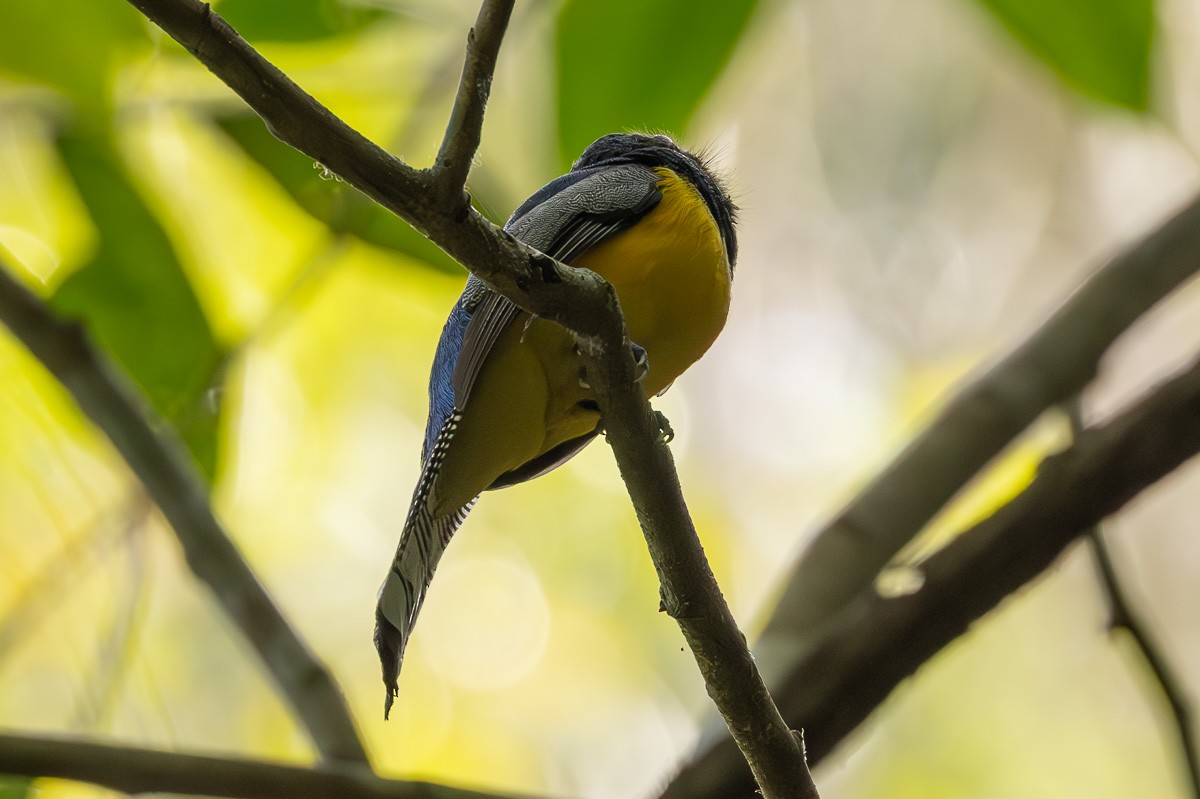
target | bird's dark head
[{"x": 659, "y": 150}]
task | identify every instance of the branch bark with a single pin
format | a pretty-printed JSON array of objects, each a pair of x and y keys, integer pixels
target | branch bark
[
  {"x": 434, "y": 201},
  {"x": 850, "y": 670},
  {"x": 466, "y": 120},
  {"x": 169, "y": 475},
  {"x": 138, "y": 771}
]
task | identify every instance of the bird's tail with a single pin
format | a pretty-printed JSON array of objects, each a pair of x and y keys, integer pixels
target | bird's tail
[
  {"x": 421, "y": 546},
  {"x": 422, "y": 543}
]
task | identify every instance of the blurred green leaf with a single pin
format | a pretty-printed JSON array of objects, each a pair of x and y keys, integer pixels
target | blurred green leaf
[
  {"x": 295, "y": 20},
  {"x": 136, "y": 300},
  {"x": 342, "y": 208},
  {"x": 644, "y": 64},
  {"x": 69, "y": 45},
  {"x": 15, "y": 787},
  {"x": 1102, "y": 47}
]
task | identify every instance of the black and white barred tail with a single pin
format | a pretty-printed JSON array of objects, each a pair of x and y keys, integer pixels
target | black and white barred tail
[{"x": 422, "y": 543}]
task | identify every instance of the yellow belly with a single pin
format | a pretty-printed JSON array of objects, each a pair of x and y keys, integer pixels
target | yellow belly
[{"x": 672, "y": 277}]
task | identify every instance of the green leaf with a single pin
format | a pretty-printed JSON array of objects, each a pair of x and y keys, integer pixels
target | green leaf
[
  {"x": 639, "y": 64},
  {"x": 1101, "y": 47},
  {"x": 342, "y": 208},
  {"x": 295, "y": 20},
  {"x": 15, "y": 787},
  {"x": 70, "y": 45},
  {"x": 136, "y": 301}
]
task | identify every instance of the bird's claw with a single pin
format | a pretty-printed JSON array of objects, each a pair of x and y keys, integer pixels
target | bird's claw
[
  {"x": 666, "y": 433},
  {"x": 641, "y": 363}
]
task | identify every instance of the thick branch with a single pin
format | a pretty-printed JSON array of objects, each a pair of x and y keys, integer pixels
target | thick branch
[
  {"x": 466, "y": 120},
  {"x": 1054, "y": 364},
  {"x": 138, "y": 771},
  {"x": 159, "y": 461},
  {"x": 837, "y": 682},
  {"x": 577, "y": 299}
]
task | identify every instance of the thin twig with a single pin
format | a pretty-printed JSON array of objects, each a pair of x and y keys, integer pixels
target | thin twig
[
  {"x": 170, "y": 477},
  {"x": 576, "y": 298},
  {"x": 1053, "y": 364},
  {"x": 848, "y": 672},
  {"x": 466, "y": 120},
  {"x": 1123, "y": 617},
  {"x": 138, "y": 771}
]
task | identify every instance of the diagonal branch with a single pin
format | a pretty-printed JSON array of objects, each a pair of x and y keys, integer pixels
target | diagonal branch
[
  {"x": 572, "y": 297},
  {"x": 576, "y": 298},
  {"x": 159, "y": 461},
  {"x": 466, "y": 120},
  {"x": 139, "y": 771},
  {"x": 1055, "y": 363},
  {"x": 850, "y": 670},
  {"x": 688, "y": 589}
]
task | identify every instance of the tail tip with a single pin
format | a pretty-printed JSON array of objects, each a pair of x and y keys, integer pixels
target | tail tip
[
  {"x": 389, "y": 643},
  {"x": 388, "y": 699}
]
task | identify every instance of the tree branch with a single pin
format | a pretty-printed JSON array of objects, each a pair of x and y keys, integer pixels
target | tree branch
[
  {"x": 466, "y": 120},
  {"x": 170, "y": 477},
  {"x": 689, "y": 591},
  {"x": 576, "y": 298},
  {"x": 137, "y": 771},
  {"x": 1123, "y": 617},
  {"x": 836, "y": 682},
  {"x": 1055, "y": 363}
]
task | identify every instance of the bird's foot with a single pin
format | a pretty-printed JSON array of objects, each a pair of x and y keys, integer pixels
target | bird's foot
[
  {"x": 641, "y": 363},
  {"x": 666, "y": 433}
]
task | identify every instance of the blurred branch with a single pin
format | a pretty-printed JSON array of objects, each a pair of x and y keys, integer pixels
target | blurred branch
[
  {"x": 169, "y": 475},
  {"x": 837, "y": 681},
  {"x": 139, "y": 771},
  {"x": 575, "y": 298},
  {"x": 118, "y": 648},
  {"x": 44, "y": 590},
  {"x": 1053, "y": 364},
  {"x": 1122, "y": 616}
]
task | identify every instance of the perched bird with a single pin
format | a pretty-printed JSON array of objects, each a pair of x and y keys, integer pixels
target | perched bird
[{"x": 507, "y": 398}]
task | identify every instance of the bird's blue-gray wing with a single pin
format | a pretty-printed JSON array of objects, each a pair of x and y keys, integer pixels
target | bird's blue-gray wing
[{"x": 565, "y": 218}]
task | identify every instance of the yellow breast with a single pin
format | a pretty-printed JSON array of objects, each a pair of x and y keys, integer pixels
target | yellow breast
[{"x": 673, "y": 278}]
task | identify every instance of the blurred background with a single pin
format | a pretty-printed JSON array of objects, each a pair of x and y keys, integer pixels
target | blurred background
[{"x": 920, "y": 184}]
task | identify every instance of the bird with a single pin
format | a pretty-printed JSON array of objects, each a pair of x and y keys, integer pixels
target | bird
[{"x": 508, "y": 397}]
